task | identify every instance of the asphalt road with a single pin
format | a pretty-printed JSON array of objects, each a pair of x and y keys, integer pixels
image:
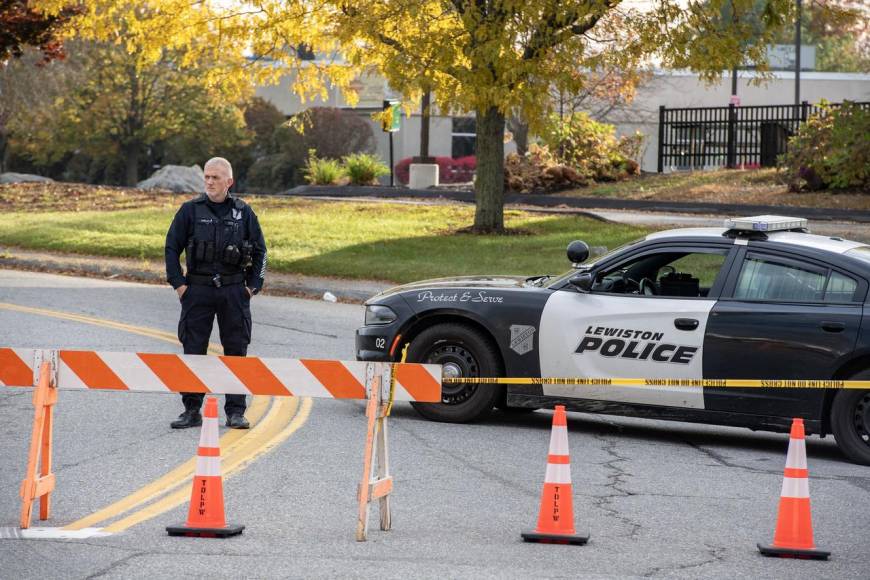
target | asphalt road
[{"x": 661, "y": 500}]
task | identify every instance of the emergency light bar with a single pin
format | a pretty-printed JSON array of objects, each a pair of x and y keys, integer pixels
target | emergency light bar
[{"x": 766, "y": 223}]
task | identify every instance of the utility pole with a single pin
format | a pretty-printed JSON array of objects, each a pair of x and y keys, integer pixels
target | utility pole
[
  {"x": 797, "y": 55},
  {"x": 734, "y": 99}
]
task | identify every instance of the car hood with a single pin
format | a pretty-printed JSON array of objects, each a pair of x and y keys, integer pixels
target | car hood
[{"x": 494, "y": 282}]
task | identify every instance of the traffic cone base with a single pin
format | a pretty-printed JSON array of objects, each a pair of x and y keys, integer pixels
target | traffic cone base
[
  {"x": 801, "y": 554},
  {"x": 225, "y": 532},
  {"x": 537, "y": 537},
  {"x": 205, "y": 516}
]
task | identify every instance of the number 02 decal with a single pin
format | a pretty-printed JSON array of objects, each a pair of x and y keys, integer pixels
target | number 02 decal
[{"x": 381, "y": 343}]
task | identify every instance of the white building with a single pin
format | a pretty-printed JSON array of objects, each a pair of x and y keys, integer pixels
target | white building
[{"x": 454, "y": 136}]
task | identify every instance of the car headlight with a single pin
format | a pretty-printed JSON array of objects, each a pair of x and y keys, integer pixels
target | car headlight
[{"x": 377, "y": 314}]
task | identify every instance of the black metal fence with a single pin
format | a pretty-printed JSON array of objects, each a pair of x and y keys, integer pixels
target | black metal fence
[{"x": 732, "y": 136}]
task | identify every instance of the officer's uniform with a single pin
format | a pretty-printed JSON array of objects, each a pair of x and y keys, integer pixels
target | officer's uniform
[{"x": 225, "y": 253}]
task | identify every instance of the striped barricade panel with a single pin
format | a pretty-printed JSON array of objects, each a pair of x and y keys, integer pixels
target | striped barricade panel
[{"x": 168, "y": 373}]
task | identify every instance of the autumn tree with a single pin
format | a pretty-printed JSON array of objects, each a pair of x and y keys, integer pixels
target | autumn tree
[
  {"x": 493, "y": 57},
  {"x": 119, "y": 109},
  {"x": 28, "y": 89},
  {"x": 158, "y": 74},
  {"x": 840, "y": 31},
  {"x": 490, "y": 57},
  {"x": 23, "y": 25}
]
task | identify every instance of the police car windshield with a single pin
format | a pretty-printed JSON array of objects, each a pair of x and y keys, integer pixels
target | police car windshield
[
  {"x": 589, "y": 263},
  {"x": 860, "y": 253}
]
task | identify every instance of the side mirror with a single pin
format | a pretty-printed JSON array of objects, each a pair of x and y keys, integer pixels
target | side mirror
[
  {"x": 582, "y": 281},
  {"x": 578, "y": 251}
]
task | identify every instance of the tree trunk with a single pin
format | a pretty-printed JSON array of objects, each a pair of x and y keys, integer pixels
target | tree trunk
[
  {"x": 425, "y": 115},
  {"x": 4, "y": 151},
  {"x": 131, "y": 165},
  {"x": 489, "y": 185}
]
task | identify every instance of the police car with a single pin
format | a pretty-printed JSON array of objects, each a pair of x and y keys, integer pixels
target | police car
[{"x": 760, "y": 298}]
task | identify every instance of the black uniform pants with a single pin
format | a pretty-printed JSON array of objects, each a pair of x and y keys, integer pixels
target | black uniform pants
[{"x": 199, "y": 306}]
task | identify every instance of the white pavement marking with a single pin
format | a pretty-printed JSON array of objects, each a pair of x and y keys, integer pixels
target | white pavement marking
[{"x": 12, "y": 533}]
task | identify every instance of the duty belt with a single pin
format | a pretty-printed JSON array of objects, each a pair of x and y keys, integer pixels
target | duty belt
[{"x": 217, "y": 280}]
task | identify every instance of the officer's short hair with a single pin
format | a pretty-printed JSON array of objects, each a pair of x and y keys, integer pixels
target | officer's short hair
[{"x": 222, "y": 162}]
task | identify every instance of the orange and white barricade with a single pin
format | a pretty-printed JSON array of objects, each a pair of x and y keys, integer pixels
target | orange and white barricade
[{"x": 380, "y": 383}]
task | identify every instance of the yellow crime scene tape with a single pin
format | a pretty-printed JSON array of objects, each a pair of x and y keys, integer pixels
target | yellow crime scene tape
[{"x": 698, "y": 383}]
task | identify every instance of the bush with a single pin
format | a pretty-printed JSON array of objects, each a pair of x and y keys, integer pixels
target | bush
[
  {"x": 450, "y": 170},
  {"x": 261, "y": 119},
  {"x": 332, "y": 133},
  {"x": 591, "y": 148},
  {"x": 364, "y": 169},
  {"x": 539, "y": 171},
  {"x": 322, "y": 171},
  {"x": 830, "y": 150},
  {"x": 274, "y": 173}
]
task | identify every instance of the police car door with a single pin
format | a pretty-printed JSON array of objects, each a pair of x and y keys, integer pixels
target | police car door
[{"x": 644, "y": 317}]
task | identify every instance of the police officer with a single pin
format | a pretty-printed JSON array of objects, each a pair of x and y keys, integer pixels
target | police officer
[{"x": 226, "y": 262}]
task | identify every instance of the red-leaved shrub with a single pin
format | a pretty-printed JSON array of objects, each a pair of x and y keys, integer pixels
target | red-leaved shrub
[{"x": 459, "y": 170}]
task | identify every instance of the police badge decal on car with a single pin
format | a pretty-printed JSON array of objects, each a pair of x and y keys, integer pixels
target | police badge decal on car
[{"x": 522, "y": 338}]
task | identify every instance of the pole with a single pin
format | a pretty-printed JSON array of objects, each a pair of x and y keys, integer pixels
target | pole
[
  {"x": 732, "y": 137},
  {"x": 797, "y": 55},
  {"x": 661, "y": 166},
  {"x": 392, "y": 168},
  {"x": 425, "y": 113}
]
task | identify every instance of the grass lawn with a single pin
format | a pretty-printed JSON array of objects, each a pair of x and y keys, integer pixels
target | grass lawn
[
  {"x": 386, "y": 241},
  {"x": 752, "y": 186}
]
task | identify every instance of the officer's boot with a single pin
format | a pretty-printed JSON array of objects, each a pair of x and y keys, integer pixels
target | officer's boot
[{"x": 190, "y": 418}]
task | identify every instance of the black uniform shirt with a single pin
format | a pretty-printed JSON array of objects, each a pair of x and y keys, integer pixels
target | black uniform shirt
[{"x": 181, "y": 230}]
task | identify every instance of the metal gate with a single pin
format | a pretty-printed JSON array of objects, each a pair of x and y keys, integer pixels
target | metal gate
[{"x": 732, "y": 136}]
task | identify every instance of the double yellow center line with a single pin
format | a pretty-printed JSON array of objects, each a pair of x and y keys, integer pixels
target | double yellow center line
[{"x": 271, "y": 424}]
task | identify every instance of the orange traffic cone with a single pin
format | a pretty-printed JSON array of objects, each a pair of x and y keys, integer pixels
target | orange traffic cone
[
  {"x": 205, "y": 518},
  {"x": 556, "y": 518},
  {"x": 793, "y": 537}
]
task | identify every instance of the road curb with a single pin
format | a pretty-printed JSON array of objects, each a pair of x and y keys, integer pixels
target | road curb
[{"x": 277, "y": 284}]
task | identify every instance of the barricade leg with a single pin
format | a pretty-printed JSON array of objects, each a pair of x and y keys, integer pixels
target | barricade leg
[
  {"x": 39, "y": 458},
  {"x": 384, "y": 474},
  {"x": 376, "y": 455}
]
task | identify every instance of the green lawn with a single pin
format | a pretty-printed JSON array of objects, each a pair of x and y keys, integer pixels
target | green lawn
[
  {"x": 726, "y": 182},
  {"x": 386, "y": 241}
]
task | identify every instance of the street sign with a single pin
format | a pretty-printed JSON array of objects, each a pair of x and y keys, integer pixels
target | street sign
[{"x": 393, "y": 122}]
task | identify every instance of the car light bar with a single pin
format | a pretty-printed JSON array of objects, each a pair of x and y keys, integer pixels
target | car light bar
[{"x": 766, "y": 223}]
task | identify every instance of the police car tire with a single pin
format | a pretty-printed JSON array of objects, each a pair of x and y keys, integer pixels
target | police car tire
[
  {"x": 848, "y": 404},
  {"x": 483, "y": 397}
]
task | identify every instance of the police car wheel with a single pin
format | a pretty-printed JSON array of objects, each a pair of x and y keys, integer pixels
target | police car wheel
[
  {"x": 463, "y": 352},
  {"x": 850, "y": 422}
]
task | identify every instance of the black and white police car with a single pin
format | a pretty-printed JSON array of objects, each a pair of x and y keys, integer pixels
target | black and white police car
[{"x": 760, "y": 298}]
